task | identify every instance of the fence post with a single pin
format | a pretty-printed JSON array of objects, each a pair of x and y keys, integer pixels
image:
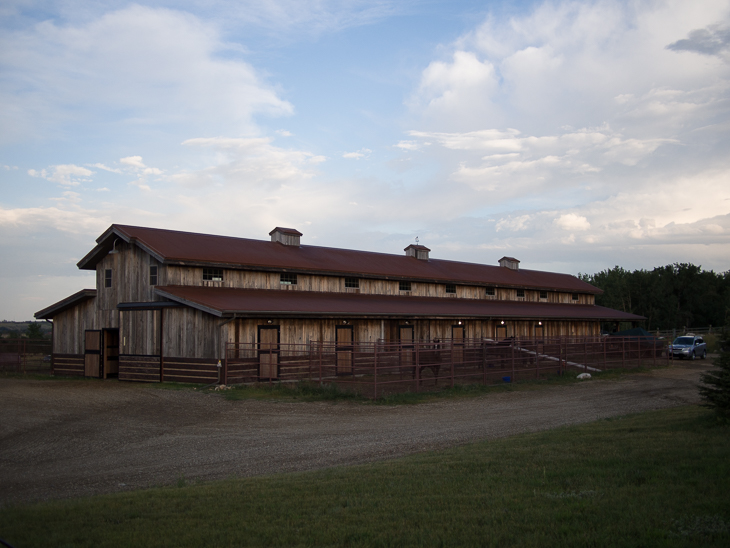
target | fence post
[
  {"x": 484, "y": 361},
  {"x": 225, "y": 364},
  {"x": 320, "y": 362},
  {"x": 375, "y": 373},
  {"x": 418, "y": 368},
  {"x": 452, "y": 363},
  {"x": 512, "y": 353}
]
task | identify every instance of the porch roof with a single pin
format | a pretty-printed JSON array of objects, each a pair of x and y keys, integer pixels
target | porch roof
[
  {"x": 224, "y": 301},
  {"x": 69, "y": 302}
]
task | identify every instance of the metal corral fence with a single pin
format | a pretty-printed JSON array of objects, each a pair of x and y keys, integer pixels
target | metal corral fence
[
  {"x": 377, "y": 368},
  {"x": 23, "y": 355},
  {"x": 673, "y": 333}
]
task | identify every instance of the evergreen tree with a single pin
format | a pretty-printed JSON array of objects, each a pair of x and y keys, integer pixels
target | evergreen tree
[
  {"x": 716, "y": 389},
  {"x": 34, "y": 331}
]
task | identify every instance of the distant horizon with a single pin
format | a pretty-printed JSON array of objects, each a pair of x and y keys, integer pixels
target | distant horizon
[{"x": 574, "y": 136}]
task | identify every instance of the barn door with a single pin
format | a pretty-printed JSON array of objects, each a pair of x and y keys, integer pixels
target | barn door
[
  {"x": 539, "y": 334},
  {"x": 268, "y": 352},
  {"x": 92, "y": 353},
  {"x": 343, "y": 336},
  {"x": 111, "y": 352},
  {"x": 457, "y": 343},
  {"x": 501, "y": 332}
]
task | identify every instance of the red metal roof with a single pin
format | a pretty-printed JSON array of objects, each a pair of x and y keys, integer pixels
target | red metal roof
[
  {"x": 224, "y": 301},
  {"x": 175, "y": 247}
]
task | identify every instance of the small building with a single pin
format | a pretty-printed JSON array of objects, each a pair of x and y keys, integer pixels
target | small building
[{"x": 170, "y": 301}]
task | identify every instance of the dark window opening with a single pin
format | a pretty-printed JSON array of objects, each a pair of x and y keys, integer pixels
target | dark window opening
[
  {"x": 543, "y": 294},
  {"x": 288, "y": 279},
  {"x": 352, "y": 283},
  {"x": 574, "y": 296},
  {"x": 108, "y": 278},
  {"x": 213, "y": 274},
  {"x": 404, "y": 286},
  {"x": 450, "y": 288},
  {"x": 153, "y": 275},
  {"x": 490, "y": 292},
  {"x": 520, "y": 293}
]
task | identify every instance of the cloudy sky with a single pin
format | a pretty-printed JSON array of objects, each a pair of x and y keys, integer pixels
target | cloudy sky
[{"x": 575, "y": 136}]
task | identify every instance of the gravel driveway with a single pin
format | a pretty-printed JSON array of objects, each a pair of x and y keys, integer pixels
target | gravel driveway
[{"x": 62, "y": 439}]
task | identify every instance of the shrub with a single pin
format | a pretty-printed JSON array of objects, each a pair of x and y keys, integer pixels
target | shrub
[{"x": 716, "y": 389}]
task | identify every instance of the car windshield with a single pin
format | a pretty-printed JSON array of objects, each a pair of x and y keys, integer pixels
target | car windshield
[{"x": 683, "y": 340}]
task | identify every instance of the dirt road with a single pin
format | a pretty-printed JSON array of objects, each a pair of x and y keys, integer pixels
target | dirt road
[{"x": 62, "y": 439}]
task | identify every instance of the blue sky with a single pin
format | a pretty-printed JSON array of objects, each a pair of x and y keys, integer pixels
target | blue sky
[{"x": 575, "y": 136}]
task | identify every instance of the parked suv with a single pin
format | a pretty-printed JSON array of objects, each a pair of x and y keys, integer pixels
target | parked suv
[{"x": 689, "y": 346}]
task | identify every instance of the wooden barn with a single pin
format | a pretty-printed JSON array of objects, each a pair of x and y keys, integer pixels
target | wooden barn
[{"x": 168, "y": 304}]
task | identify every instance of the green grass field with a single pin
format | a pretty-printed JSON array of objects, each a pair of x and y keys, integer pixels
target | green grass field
[{"x": 653, "y": 479}]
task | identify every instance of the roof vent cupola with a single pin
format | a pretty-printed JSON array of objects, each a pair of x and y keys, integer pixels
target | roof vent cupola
[
  {"x": 286, "y": 236},
  {"x": 509, "y": 262},
  {"x": 417, "y": 251}
]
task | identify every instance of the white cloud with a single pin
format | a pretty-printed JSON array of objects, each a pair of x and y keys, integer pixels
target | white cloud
[
  {"x": 133, "y": 161},
  {"x": 245, "y": 161},
  {"x": 571, "y": 221},
  {"x": 105, "y": 168},
  {"x": 65, "y": 174},
  {"x": 513, "y": 224},
  {"x": 362, "y": 153},
  {"x": 137, "y": 67}
]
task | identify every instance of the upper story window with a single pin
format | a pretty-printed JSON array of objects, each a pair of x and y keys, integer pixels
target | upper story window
[
  {"x": 213, "y": 274},
  {"x": 153, "y": 275},
  {"x": 108, "y": 277},
  {"x": 404, "y": 286},
  {"x": 352, "y": 283},
  {"x": 288, "y": 279},
  {"x": 574, "y": 296},
  {"x": 543, "y": 294},
  {"x": 451, "y": 288},
  {"x": 520, "y": 293},
  {"x": 489, "y": 292}
]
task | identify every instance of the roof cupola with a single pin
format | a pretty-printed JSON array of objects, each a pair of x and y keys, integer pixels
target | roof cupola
[
  {"x": 286, "y": 236},
  {"x": 417, "y": 251},
  {"x": 509, "y": 262}
]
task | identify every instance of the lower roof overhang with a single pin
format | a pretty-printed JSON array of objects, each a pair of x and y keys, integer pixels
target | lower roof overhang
[{"x": 266, "y": 303}]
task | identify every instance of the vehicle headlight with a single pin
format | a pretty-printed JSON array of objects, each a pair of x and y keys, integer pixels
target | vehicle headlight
[{"x": 685, "y": 350}]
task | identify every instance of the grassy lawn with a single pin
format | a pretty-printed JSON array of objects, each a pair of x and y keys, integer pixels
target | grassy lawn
[
  {"x": 305, "y": 391},
  {"x": 653, "y": 479}
]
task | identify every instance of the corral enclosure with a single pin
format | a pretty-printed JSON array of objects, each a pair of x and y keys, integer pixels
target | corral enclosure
[
  {"x": 376, "y": 369},
  {"x": 21, "y": 355}
]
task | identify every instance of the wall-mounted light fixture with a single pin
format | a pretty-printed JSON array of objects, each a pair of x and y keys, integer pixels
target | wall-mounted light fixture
[
  {"x": 501, "y": 323},
  {"x": 269, "y": 322},
  {"x": 114, "y": 247},
  {"x": 345, "y": 322},
  {"x": 539, "y": 323},
  {"x": 459, "y": 322}
]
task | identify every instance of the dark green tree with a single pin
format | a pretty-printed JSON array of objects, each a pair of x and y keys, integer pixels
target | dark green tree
[
  {"x": 34, "y": 331},
  {"x": 716, "y": 388}
]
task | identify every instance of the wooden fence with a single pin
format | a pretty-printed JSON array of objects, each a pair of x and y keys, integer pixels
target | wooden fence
[{"x": 382, "y": 367}]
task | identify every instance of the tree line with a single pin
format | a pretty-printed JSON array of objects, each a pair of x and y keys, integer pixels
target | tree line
[{"x": 673, "y": 296}]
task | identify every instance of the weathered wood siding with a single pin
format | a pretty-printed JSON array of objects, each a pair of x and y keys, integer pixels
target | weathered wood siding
[
  {"x": 302, "y": 332},
  {"x": 70, "y": 325},
  {"x": 130, "y": 277},
  {"x": 189, "y": 275}
]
